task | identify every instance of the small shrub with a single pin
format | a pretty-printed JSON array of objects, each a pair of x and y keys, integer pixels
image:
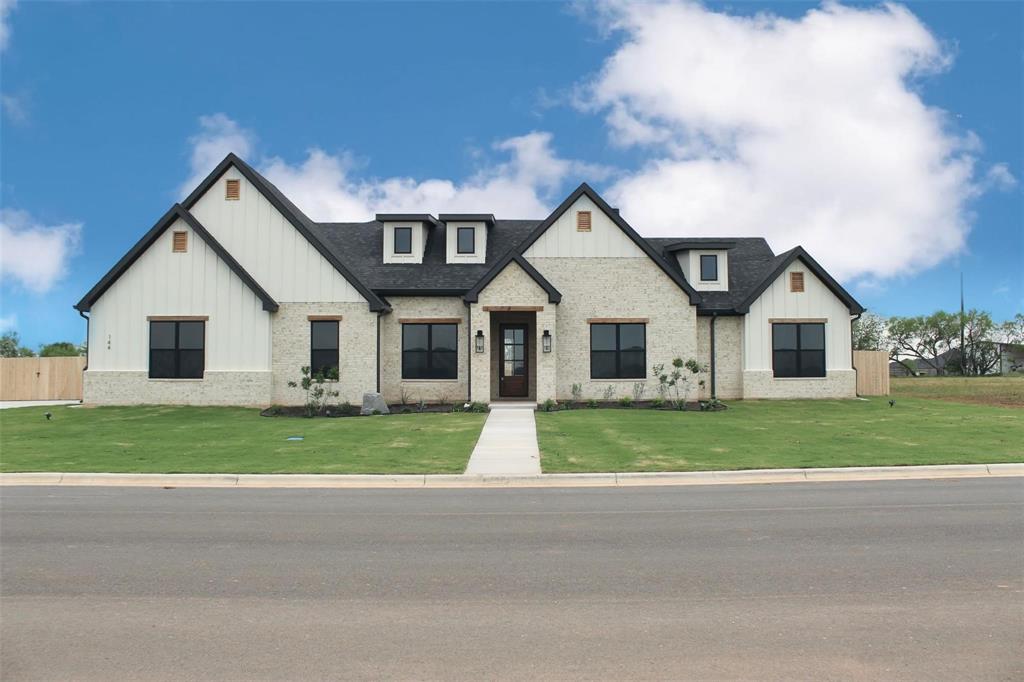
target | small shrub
[
  {"x": 421, "y": 405},
  {"x": 609, "y": 393},
  {"x": 406, "y": 410},
  {"x": 318, "y": 396},
  {"x": 443, "y": 399},
  {"x": 403, "y": 395},
  {"x": 477, "y": 407},
  {"x": 625, "y": 401},
  {"x": 549, "y": 405},
  {"x": 592, "y": 404},
  {"x": 639, "y": 387},
  {"x": 376, "y": 412},
  {"x": 657, "y": 403},
  {"x": 577, "y": 394}
]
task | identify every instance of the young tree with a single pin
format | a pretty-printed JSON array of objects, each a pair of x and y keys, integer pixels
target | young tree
[
  {"x": 59, "y": 349},
  {"x": 1012, "y": 331},
  {"x": 869, "y": 333}
]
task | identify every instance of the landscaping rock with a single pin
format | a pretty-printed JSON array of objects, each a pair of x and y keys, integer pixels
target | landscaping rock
[{"x": 374, "y": 403}]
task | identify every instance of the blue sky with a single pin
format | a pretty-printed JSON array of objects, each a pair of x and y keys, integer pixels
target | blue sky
[{"x": 887, "y": 142}]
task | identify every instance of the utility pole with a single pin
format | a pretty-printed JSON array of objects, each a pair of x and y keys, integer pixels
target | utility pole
[{"x": 963, "y": 368}]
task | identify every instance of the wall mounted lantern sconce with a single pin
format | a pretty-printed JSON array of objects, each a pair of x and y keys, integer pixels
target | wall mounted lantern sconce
[
  {"x": 545, "y": 341},
  {"x": 479, "y": 340}
]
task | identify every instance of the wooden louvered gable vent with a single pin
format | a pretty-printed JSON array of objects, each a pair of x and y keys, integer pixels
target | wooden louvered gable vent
[
  {"x": 232, "y": 190},
  {"x": 180, "y": 242},
  {"x": 583, "y": 221},
  {"x": 796, "y": 282}
]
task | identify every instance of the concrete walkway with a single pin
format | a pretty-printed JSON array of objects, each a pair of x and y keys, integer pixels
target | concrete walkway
[{"x": 508, "y": 443}]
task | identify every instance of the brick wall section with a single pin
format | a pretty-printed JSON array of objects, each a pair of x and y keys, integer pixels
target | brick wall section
[
  {"x": 621, "y": 288},
  {"x": 290, "y": 344},
  {"x": 838, "y": 383},
  {"x": 215, "y": 388},
  {"x": 728, "y": 355},
  {"x": 391, "y": 383},
  {"x": 513, "y": 287}
]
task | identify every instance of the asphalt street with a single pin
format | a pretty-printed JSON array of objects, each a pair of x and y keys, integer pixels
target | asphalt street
[{"x": 891, "y": 579}]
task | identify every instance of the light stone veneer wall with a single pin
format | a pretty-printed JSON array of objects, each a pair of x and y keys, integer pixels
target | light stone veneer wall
[
  {"x": 215, "y": 388},
  {"x": 838, "y": 383},
  {"x": 513, "y": 287},
  {"x": 615, "y": 288},
  {"x": 728, "y": 356},
  {"x": 357, "y": 344},
  {"x": 421, "y": 307}
]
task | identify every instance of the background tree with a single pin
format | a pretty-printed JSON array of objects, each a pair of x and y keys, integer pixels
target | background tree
[
  {"x": 869, "y": 333},
  {"x": 925, "y": 338},
  {"x": 980, "y": 353},
  {"x": 60, "y": 349},
  {"x": 1012, "y": 331},
  {"x": 10, "y": 347}
]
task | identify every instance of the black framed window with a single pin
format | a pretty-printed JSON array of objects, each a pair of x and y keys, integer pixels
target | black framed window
[
  {"x": 618, "y": 351},
  {"x": 798, "y": 349},
  {"x": 465, "y": 239},
  {"x": 323, "y": 348},
  {"x": 176, "y": 349},
  {"x": 430, "y": 351},
  {"x": 708, "y": 267},
  {"x": 403, "y": 240}
]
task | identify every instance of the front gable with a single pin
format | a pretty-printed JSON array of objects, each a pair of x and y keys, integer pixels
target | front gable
[
  {"x": 609, "y": 236},
  {"x": 271, "y": 237}
]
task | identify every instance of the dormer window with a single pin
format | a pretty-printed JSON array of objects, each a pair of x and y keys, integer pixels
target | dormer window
[
  {"x": 403, "y": 240},
  {"x": 709, "y": 267},
  {"x": 466, "y": 240}
]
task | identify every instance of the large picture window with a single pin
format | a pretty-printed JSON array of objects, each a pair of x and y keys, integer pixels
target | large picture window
[
  {"x": 323, "y": 354},
  {"x": 176, "y": 349},
  {"x": 618, "y": 351},
  {"x": 430, "y": 351},
  {"x": 798, "y": 349}
]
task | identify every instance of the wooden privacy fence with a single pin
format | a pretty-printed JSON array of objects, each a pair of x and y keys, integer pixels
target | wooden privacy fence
[
  {"x": 872, "y": 372},
  {"x": 41, "y": 378}
]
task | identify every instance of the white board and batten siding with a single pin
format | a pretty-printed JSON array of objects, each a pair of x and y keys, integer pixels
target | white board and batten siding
[
  {"x": 269, "y": 247},
  {"x": 604, "y": 240},
  {"x": 194, "y": 283},
  {"x": 816, "y": 302}
]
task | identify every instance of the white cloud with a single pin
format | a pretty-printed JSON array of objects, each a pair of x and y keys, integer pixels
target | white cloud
[
  {"x": 218, "y": 135},
  {"x": 1000, "y": 177},
  {"x": 15, "y": 108},
  {"x": 6, "y": 6},
  {"x": 8, "y": 323},
  {"x": 807, "y": 131},
  {"x": 32, "y": 255},
  {"x": 327, "y": 187}
]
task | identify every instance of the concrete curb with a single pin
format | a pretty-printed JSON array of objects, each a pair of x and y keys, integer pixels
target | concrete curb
[{"x": 511, "y": 481}]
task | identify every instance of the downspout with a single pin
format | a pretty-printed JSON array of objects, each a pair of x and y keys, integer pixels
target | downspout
[
  {"x": 86, "y": 318},
  {"x": 714, "y": 317},
  {"x": 379, "y": 313},
  {"x": 852, "y": 366},
  {"x": 469, "y": 352}
]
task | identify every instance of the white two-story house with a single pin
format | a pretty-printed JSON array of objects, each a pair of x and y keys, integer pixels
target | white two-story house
[{"x": 235, "y": 289}]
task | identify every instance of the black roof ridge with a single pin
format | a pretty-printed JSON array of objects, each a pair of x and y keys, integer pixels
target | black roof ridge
[
  {"x": 299, "y": 220},
  {"x": 784, "y": 260},
  {"x": 169, "y": 218}
]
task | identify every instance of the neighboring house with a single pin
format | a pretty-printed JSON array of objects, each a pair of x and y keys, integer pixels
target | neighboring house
[
  {"x": 944, "y": 363},
  {"x": 235, "y": 289},
  {"x": 1011, "y": 358}
]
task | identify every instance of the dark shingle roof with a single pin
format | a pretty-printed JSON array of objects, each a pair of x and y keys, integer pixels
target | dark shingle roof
[{"x": 361, "y": 247}]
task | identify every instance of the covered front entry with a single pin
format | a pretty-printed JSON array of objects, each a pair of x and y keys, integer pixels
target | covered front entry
[{"x": 513, "y": 355}]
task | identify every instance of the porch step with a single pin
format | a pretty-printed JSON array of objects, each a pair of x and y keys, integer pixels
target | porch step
[{"x": 513, "y": 405}]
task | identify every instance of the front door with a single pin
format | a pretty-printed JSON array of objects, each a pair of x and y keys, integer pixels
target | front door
[{"x": 512, "y": 369}]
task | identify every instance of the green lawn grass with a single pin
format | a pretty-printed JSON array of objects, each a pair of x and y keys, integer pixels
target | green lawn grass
[
  {"x": 231, "y": 440},
  {"x": 988, "y": 390},
  {"x": 781, "y": 434}
]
